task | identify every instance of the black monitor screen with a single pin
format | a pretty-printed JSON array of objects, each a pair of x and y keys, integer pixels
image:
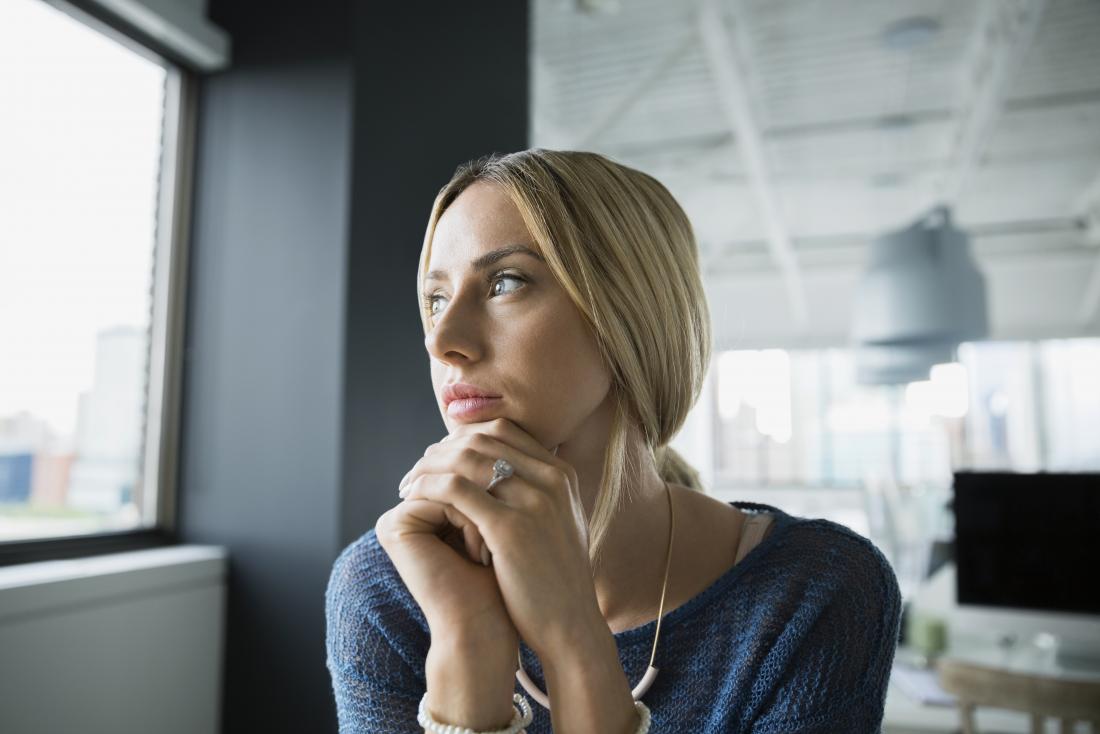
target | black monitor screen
[{"x": 1028, "y": 541}]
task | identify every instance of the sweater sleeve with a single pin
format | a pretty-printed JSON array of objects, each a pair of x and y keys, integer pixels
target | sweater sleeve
[
  {"x": 374, "y": 653},
  {"x": 837, "y": 671}
]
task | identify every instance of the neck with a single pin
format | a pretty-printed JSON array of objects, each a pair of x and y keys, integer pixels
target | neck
[{"x": 632, "y": 567}]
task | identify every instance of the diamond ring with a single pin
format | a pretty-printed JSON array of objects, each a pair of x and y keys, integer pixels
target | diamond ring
[{"x": 501, "y": 471}]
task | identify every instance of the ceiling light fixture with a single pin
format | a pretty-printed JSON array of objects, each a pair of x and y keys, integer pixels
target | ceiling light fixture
[
  {"x": 920, "y": 297},
  {"x": 598, "y": 7},
  {"x": 910, "y": 34}
]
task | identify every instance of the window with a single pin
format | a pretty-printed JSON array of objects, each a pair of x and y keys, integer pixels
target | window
[
  {"x": 1070, "y": 404},
  {"x": 90, "y": 217},
  {"x": 799, "y": 417}
]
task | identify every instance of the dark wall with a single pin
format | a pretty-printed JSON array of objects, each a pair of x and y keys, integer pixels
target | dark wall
[
  {"x": 436, "y": 84},
  {"x": 306, "y": 387}
]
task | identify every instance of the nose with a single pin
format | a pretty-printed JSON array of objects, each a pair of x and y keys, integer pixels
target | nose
[{"x": 453, "y": 335}]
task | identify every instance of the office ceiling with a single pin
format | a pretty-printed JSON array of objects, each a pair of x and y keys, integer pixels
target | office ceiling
[{"x": 794, "y": 131}]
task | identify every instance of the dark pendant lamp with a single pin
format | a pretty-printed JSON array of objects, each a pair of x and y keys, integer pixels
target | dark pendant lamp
[{"x": 921, "y": 295}]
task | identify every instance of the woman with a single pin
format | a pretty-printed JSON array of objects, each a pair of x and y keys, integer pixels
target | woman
[{"x": 552, "y": 546}]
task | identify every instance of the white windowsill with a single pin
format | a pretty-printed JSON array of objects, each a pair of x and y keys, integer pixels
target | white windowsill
[{"x": 32, "y": 588}]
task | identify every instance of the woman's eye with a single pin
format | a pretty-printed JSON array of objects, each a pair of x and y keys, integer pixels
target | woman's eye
[
  {"x": 431, "y": 301},
  {"x": 502, "y": 278}
]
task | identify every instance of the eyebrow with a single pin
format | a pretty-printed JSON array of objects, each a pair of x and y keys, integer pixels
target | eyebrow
[{"x": 489, "y": 258}]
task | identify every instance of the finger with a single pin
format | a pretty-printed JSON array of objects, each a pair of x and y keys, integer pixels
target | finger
[
  {"x": 475, "y": 456},
  {"x": 507, "y": 431},
  {"x": 429, "y": 517},
  {"x": 475, "y": 544},
  {"x": 427, "y": 452},
  {"x": 483, "y": 509},
  {"x": 471, "y": 536},
  {"x": 445, "y": 521},
  {"x": 555, "y": 477},
  {"x": 461, "y": 537}
]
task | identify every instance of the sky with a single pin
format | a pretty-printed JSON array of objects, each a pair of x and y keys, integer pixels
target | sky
[{"x": 79, "y": 146}]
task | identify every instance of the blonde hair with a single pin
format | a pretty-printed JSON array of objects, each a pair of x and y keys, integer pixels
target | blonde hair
[{"x": 623, "y": 249}]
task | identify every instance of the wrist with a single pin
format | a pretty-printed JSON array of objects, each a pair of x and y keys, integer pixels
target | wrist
[
  {"x": 577, "y": 640},
  {"x": 469, "y": 686},
  {"x": 522, "y": 719},
  {"x": 586, "y": 672}
]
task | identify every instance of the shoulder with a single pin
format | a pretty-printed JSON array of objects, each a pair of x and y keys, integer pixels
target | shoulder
[
  {"x": 837, "y": 568},
  {"x": 369, "y": 612},
  {"x": 842, "y": 606},
  {"x": 839, "y": 548},
  {"x": 828, "y": 552},
  {"x": 858, "y": 567}
]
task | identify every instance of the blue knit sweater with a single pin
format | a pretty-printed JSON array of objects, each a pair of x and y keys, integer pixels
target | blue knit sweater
[{"x": 797, "y": 637}]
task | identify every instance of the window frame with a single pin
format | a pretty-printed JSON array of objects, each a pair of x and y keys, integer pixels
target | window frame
[{"x": 161, "y": 435}]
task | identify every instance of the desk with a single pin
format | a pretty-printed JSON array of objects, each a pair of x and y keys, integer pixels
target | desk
[
  {"x": 905, "y": 715},
  {"x": 972, "y": 635}
]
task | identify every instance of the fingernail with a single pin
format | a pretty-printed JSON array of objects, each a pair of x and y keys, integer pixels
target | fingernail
[
  {"x": 403, "y": 492},
  {"x": 404, "y": 481},
  {"x": 484, "y": 556}
]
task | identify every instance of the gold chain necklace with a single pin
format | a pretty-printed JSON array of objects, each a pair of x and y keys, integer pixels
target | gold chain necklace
[{"x": 651, "y": 672}]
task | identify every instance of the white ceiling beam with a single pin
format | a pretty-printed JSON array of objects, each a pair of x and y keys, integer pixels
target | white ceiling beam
[
  {"x": 1002, "y": 37},
  {"x": 817, "y": 254},
  {"x": 731, "y": 76},
  {"x": 642, "y": 84}
]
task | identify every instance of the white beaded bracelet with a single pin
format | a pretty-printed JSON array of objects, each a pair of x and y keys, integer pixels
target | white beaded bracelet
[{"x": 521, "y": 719}]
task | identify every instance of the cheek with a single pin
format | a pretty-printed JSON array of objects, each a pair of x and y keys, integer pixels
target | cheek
[{"x": 563, "y": 375}]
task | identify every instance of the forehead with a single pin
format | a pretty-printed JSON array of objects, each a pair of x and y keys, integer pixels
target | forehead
[{"x": 481, "y": 219}]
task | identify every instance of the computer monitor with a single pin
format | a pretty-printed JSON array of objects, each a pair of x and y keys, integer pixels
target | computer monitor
[{"x": 1028, "y": 541}]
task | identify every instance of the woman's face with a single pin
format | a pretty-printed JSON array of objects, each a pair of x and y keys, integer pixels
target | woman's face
[{"x": 506, "y": 325}]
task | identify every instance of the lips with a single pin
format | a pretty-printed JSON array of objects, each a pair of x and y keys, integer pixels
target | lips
[
  {"x": 465, "y": 391},
  {"x": 468, "y": 409}
]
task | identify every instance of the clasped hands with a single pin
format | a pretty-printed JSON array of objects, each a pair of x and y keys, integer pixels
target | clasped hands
[{"x": 533, "y": 523}]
